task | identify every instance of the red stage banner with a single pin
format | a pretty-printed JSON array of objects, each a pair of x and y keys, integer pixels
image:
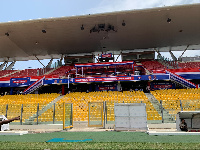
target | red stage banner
[{"x": 104, "y": 79}]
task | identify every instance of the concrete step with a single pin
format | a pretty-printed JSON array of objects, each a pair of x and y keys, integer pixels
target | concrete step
[{"x": 166, "y": 116}]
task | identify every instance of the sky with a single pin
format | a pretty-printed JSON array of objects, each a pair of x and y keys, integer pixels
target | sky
[{"x": 15, "y": 10}]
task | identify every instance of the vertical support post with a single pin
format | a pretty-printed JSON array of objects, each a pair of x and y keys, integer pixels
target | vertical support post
[
  {"x": 71, "y": 117},
  {"x": 181, "y": 105},
  {"x": 76, "y": 71},
  {"x": 82, "y": 71},
  {"x": 162, "y": 111},
  {"x": 68, "y": 81},
  {"x": 37, "y": 112},
  {"x": 102, "y": 110},
  {"x": 63, "y": 115},
  {"x": 21, "y": 114},
  {"x": 140, "y": 101},
  {"x": 88, "y": 114},
  {"x": 63, "y": 89},
  {"x": 11, "y": 91},
  {"x": 104, "y": 114},
  {"x": 6, "y": 111},
  {"x": 54, "y": 112}
]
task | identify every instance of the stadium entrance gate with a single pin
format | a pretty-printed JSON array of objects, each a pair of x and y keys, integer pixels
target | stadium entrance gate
[
  {"x": 67, "y": 115},
  {"x": 95, "y": 114}
]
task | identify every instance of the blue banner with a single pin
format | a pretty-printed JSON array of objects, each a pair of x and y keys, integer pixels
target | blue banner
[{"x": 15, "y": 82}]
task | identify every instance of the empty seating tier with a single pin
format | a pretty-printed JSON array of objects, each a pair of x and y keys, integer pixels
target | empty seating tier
[
  {"x": 28, "y": 73},
  {"x": 6, "y": 72},
  {"x": 30, "y": 103},
  {"x": 172, "y": 99},
  {"x": 62, "y": 71},
  {"x": 189, "y": 65},
  {"x": 80, "y": 103},
  {"x": 153, "y": 65}
]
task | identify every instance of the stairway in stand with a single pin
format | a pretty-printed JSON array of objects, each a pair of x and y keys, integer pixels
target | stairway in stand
[
  {"x": 166, "y": 116},
  {"x": 31, "y": 119},
  {"x": 180, "y": 80},
  {"x": 36, "y": 85}
]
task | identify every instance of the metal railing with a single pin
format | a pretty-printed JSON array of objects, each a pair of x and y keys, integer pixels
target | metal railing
[
  {"x": 169, "y": 108},
  {"x": 38, "y": 113}
]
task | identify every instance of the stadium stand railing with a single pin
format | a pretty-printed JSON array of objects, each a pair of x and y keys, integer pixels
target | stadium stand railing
[
  {"x": 80, "y": 105},
  {"x": 181, "y": 80},
  {"x": 27, "y": 105},
  {"x": 36, "y": 85},
  {"x": 173, "y": 101}
]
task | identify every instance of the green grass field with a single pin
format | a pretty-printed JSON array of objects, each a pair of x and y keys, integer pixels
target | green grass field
[{"x": 101, "y": 140}]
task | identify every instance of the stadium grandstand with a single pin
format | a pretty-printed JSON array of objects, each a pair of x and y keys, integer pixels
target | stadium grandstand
[{"x": 103, "y": 59}]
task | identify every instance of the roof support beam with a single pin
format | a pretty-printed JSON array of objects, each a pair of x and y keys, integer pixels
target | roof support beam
[
  {"x": 49, "y": 64},
  {"x": 40, "y": 62},
  {"x": 159, "y": 54},
  {"x": 183, "y": 52},
  {"x": 61, "y": 58},
  {"x": 2, "y": 65},
  {"x": 172, "y": 55},
  {"x": 10, "y": 66}
]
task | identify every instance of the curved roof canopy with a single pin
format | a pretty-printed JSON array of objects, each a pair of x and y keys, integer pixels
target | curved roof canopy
[{"x": 166, "y": 28}]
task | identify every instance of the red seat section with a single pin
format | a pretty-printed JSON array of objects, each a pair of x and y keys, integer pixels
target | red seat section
[
  {"x": 189, "y": 65},
  {"x": 28, "y": 73},
  {"x": 5, "y": 72},
  {"x": 153, "y": 66},
  {"x": 62, "y": 71}
]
